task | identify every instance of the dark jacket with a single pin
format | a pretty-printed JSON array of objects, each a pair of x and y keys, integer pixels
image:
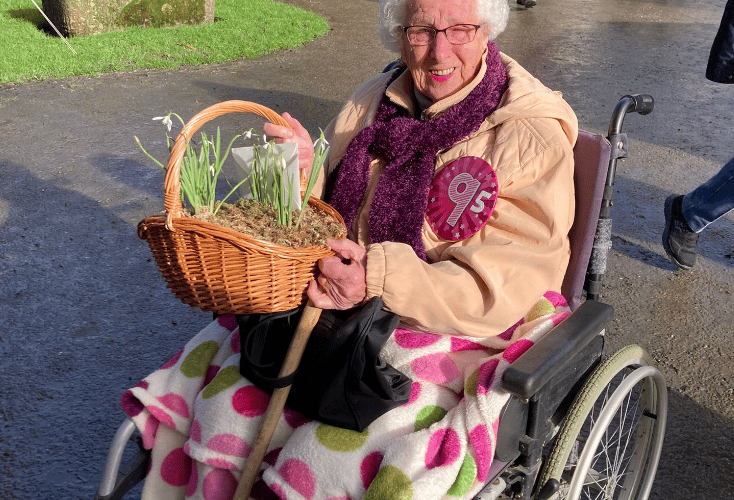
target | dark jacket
[{"x": 721, "y": 59}]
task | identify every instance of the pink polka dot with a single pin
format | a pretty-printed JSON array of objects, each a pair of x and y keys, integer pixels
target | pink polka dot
[
  {"x": 162, "y": 416},
  {"x": 272, "y": 456},
  {"x": 229, "y": 444},
  {"x": 482, "y": 451},
  {"x": 234, "y": 342},
  {"x": 211, "y": 372},
  {"x": 556, "y": 299},
  {"x": 149, "y": 431},
  {"x": 516, "y": 350},
  {"x": 408, "y": 339},
  {"x": 219, "y": 484},
  {"x": 293, "y": 418},
  {"x": 250, "y": 401},
  {"x": 131, "y": 405},
  {"x": 298, "y": 475},
  {"x": 464, "y": 345},
  {"x": 437, "y": 368},
  {"x": 176, "y": 468},
  {"x": 220, "y": 463},
  {"x": 507, "y": 334},
  {"x": 444, "y": 448},
  {"x": 193, "y": 481},
  {"x": 175, "y": 403},
  {"x": 369, "y": 467},
  {"x": 415, "y": 392},
  {"x": 173, "y": 360},
  {"x": 195, "y": 432},
  {"x": 558, "y": 318},
  {"x": 227, "y": 321},
  {"x": 486, "y": 375}
]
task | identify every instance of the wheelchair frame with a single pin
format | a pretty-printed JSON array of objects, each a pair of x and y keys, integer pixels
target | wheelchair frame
[
  {"x": 562, "y": 384},
  {"x": 559, "y": 387}
]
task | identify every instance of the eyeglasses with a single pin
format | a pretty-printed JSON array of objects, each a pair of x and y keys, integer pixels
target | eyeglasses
[{"x": 458, "y": 34}]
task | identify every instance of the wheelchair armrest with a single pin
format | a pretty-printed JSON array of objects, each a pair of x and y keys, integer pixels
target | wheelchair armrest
[{"x": 542, "y": 361}]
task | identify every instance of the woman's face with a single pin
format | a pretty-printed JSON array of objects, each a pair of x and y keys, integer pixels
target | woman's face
[{"x": 440, "y": 69}]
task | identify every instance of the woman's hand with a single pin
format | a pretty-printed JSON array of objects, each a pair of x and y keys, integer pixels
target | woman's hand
[
  {"x": 342, "y": 283},
  {"x": 296, "y": 134}
]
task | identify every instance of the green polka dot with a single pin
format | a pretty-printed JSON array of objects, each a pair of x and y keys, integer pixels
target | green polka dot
[
  {"x": 471, "y": 383},
  {"x": 226, "y": 378},
  {"x": 390, "y": 483},
  {"x": 540, "y": 309},
  {"x": 465, "y": 479},
  {"x": 429, "y": 416},
  {"x": 341, "y": 440},
  {"x": 198, "y": 360}
]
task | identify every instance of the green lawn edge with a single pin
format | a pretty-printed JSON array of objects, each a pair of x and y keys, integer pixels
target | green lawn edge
[{"x": 242, "y": 29}]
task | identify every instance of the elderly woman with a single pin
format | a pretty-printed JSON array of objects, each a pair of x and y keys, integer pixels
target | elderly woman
[
  {"x": 441, "y": 251},
  {"x": 454, "y": 175}
]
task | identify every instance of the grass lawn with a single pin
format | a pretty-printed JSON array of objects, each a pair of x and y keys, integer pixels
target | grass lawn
[{"x": 242, "y": 29}]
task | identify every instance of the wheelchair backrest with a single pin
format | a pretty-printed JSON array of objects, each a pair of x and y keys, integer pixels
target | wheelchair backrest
[{"x": 591, "y": 162}]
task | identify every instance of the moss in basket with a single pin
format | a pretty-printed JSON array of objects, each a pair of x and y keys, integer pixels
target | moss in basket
[{"x": 269, "y": 216}]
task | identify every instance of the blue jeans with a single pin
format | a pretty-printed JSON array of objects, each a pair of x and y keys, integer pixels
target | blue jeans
[{"x": 710, "y": 200}]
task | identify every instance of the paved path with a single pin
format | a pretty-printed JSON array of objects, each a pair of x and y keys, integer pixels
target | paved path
[{"x": 84, "y": 313}]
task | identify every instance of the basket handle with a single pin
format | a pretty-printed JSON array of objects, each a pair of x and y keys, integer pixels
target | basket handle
[{"x": 172, "y": 183}]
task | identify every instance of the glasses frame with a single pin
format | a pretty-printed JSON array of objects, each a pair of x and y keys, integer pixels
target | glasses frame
[{"x": 435, "y": 33}]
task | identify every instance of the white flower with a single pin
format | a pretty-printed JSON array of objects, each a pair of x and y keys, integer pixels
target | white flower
[
  {"x": 165, "y": 120},
  {"x": 249, "y": 133},
  {"x": 320, "y": 143},
  {"x": 211, "y": 169},
  {"x": 283, "y": 163}
]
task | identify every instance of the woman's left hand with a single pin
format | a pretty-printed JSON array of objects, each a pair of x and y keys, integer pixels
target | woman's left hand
[
  {"x": 342, "y": 283},
  {"x": 296, "y": 133}
]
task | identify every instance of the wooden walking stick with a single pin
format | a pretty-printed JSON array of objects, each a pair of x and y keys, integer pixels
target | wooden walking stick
[{"x": 308, "y": 321}]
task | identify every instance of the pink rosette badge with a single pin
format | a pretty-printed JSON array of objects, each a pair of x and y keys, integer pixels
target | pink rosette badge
[{"x": 462, "y": 197}]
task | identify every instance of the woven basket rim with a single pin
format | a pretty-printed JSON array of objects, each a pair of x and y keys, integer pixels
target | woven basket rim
[{"x": 243, "y": 240}]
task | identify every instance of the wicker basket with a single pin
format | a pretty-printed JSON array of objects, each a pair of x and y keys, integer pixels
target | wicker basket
[{"x": 218, "y": 269}]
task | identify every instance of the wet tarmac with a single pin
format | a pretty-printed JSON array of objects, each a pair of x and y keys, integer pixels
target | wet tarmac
[{"x": 85, "y": 314}]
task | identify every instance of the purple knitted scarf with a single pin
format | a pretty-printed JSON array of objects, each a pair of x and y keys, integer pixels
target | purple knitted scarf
[{"x": 408, "y": 147}]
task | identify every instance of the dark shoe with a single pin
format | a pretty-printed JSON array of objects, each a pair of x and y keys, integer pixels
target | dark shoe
[
  {"x": 679, "y": 241},
  {"x": 527, "y": 3}
]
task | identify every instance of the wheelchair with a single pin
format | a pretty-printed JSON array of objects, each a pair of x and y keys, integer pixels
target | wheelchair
[{"x": 578, "y": 425}]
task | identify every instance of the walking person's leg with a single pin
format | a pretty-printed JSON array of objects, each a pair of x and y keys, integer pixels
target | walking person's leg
[
  {"x": 687, "y": 215},
  {"x": 711, "y": 200}
]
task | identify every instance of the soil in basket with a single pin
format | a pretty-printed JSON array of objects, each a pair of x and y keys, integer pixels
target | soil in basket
[{"x": 260, "y": 222}]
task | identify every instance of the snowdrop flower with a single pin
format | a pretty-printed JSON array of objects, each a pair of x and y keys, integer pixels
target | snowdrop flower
[
  {"x": 283, "y": 164},
  {"x": 165, "y": 120},
  {"x": 321, "y": 142},
  {"x": 249, "y": 133}
]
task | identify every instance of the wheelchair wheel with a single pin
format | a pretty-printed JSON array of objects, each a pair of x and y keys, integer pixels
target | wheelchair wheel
[{"x": 608, "y": 445}]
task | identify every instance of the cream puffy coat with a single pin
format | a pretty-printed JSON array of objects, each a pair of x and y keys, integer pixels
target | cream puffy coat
[{"x": 484, "y": 284}]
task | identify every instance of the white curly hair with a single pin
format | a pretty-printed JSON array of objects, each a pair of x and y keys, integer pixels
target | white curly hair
[{"x": 393, "y": 15}]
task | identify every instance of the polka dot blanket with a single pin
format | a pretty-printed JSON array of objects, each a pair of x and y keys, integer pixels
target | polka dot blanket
[{"x": 200, "y": 417}]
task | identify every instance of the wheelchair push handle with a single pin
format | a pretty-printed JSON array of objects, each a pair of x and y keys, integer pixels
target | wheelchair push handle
[{"x": 635, "y": 103}]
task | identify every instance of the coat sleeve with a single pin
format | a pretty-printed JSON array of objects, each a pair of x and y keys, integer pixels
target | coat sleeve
[
  {"x": 720, "y": 67},
  {"x": 483, "y": 285}
]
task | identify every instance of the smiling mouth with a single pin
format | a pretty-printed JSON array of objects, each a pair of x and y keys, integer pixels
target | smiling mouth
[{"x": 441, "y": 75}]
